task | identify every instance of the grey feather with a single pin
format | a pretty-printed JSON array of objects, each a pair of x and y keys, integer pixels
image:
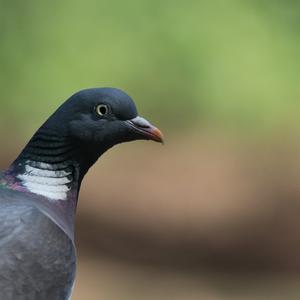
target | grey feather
[{"x": 38, "y": 258}]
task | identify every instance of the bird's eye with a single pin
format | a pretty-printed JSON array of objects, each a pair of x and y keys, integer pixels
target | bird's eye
[{"x": 102, "y": 109}]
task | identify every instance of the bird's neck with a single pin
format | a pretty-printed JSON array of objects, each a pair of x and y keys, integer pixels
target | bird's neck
[
  {"x": 50, "y": 166},
  {"x": 56, "y": 182},
  {"x": 51, "y": 169}
]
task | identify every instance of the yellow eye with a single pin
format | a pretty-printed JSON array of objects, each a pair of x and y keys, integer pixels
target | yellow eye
[{"x": 102, "y": 109}]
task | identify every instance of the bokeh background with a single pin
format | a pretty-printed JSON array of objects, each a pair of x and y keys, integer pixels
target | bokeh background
[{"x": 215, "y": 213}]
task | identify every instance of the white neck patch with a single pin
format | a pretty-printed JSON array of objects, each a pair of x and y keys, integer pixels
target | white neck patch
[{"x": 50, "y": 183}]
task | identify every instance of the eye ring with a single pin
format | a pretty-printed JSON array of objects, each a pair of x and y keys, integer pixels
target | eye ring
[{"x": 102, "y": 109}]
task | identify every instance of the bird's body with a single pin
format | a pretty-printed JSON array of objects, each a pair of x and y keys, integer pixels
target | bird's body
[
  {"x": 39, "y": 191},
  {"x": 37, "y": 257}
]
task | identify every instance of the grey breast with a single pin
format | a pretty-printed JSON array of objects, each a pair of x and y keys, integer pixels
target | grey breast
[{"x": 37, "y": 258}]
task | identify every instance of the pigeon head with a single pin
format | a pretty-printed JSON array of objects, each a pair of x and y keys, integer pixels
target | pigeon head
[
  {"x": 85, "y": 126},
  {"x": 101, "y": 117}
]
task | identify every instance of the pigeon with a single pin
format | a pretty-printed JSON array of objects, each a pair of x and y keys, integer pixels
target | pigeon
[{"x": 39, "y": 190}]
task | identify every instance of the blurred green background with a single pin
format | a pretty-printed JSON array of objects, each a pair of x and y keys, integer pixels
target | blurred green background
[
  {"x": 212, "y": 215},
  {"x": 234, "y": 63}
]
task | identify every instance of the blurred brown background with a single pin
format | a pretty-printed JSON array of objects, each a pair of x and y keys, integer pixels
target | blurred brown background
[{"x": 214, "y": 214}]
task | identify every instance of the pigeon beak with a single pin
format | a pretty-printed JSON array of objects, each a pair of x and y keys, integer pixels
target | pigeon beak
[{"x": 147, "y": 130}]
